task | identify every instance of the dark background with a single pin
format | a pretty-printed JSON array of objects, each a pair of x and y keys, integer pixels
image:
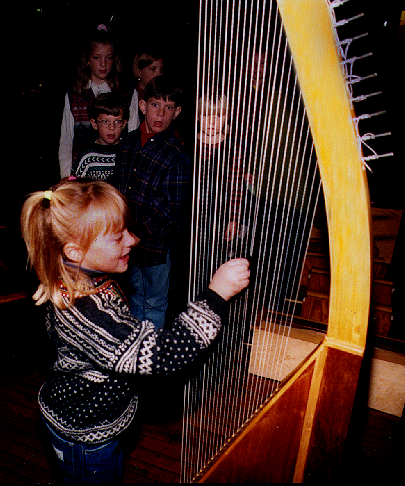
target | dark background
[{"x": 39, "y": 47}]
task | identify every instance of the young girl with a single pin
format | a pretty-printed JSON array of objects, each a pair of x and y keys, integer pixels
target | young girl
[
  {"x": 99, "y": 72},
  {"x": 76, "y": 234},
  {"x": 146, "y": 66}
]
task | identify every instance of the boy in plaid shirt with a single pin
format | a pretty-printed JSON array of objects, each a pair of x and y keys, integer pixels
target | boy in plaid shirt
[{"x": 152, "y": 171}]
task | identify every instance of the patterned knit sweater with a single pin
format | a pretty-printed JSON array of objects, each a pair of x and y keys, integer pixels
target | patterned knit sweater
[
  {"x": 90, "y": 395},
  {"x": 96, "y": 162}
]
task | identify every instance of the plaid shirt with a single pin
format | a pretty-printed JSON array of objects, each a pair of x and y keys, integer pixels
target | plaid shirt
[{"x": 154, "y": 180}]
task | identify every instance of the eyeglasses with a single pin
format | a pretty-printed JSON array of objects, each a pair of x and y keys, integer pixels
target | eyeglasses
[{"x": 108, "y": 123}]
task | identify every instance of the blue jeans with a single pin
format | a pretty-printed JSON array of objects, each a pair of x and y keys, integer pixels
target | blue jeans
[
  {"x": 87, "y": 463},
  {"x": 148, "y": 292}
]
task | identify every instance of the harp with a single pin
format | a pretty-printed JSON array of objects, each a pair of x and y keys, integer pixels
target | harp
[{"x": 241, "y": 426}]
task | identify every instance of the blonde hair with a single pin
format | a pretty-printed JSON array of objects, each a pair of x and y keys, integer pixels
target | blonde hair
[
  {"x": 72, "y": 211},
  {"x": 143, "y": 60},
  {"x": 208, "y": 103}
]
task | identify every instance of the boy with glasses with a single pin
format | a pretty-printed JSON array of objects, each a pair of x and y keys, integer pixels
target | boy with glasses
[{"x": 108, "y": 116}]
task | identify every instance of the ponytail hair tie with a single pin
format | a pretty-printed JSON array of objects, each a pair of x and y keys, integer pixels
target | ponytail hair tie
[{"x": 48, "y": 195}]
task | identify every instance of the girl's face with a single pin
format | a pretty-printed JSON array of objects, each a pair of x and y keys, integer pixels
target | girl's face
[
  {"x": 213, "y": 124},
  {"x": 101, "y": 62},
  {"x": 150, "y": 72},
  {"x": 109, "y": 253}
]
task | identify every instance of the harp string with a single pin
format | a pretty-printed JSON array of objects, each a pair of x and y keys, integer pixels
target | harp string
[
  {"x": 235, "y": 37},
  {"x": 235, "y": 372}
]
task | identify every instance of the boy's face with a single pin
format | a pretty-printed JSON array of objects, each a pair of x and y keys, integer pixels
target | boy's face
[
  {"x": 159, "y": 114},
  {"x": 213, "y": 123},
  {"x": 109, "y": 128}
]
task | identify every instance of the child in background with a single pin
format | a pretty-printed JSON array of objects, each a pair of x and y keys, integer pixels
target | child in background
[
  {"x": 108, "y": 116},
  {"x": 153, "y": 171},
  {"x": 99, "y": 72},
  {"x": 146, "y": 66},
  {"x": 218, "y": 159},
  {"x": 76, "y": 235}
]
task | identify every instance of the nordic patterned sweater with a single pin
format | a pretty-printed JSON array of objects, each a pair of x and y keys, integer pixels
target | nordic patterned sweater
[
  {"x": 96, "y": 162},
  {"x": 90, "y": 394}
]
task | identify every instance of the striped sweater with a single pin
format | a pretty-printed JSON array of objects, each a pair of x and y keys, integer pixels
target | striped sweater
[
  {"x": 96, "y": 162},
  {"x": 90, "y": 395}
]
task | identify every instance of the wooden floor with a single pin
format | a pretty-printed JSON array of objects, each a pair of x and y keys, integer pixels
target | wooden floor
[{"x": 24, "y": 457}]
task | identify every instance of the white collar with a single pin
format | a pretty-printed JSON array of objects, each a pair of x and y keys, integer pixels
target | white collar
[{"x": 98, "y": 88}]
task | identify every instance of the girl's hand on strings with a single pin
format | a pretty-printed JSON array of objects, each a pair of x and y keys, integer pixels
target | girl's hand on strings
[{"x": 231, "y": 278}]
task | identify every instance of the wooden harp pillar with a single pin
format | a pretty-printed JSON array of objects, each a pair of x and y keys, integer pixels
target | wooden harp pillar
[
  {"x": 327, "y": 102},
  {"x": 299, "y": 433}
]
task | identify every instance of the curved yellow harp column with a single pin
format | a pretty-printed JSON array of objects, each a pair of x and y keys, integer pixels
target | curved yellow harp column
[{"x": 311, "y": 39}]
